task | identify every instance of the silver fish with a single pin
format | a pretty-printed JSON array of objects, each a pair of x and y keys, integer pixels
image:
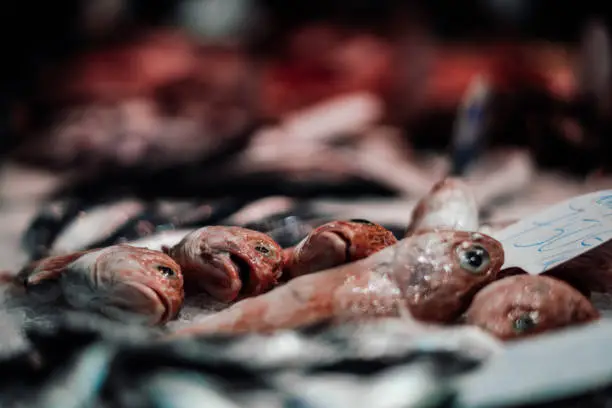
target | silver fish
[
  {"x": 158, "y": 241},
  {"x": 92, "y": 225}
]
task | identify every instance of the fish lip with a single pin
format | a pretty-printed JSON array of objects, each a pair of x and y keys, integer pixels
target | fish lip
[
  {"x": 153, "y": 293},
  {"x": 168, "y": 313},
  {"x": 347, "y": 243},
  {"x": 238, "y": 263},
  {"x": 344, "y": 238},
  {"x": 223, "y": 286}
]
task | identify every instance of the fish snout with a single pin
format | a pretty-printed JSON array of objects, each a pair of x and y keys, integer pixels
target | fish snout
[
  {"x": 322, "y": 250},
  {"x": 218, "y": 275},
  {"x": 142, "y": 301}
]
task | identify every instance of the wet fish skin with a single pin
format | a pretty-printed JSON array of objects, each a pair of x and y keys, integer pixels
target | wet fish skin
[
  {"x": 336, "y": 243},
  {"x": 193, "y": 389},
  {"x": 425, "y": 274},
  {"x": 47, "y": 225},
  {"x": 491, "y": 227},
  {"x": 450, "y": 204},
  {"x": 525, "y": 305},
  {"x": 121, "y": 282},
  {"x": 96, "y": 223},
  {"x": 80, "y": 383},
  {"x": 164, "y": 215},
  {"x": 228, "y": 262},
  {"x": 290, "y": 227}
]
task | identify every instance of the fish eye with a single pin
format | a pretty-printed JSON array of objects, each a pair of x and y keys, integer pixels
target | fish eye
[
  {"x": 166, "y": 271},
  {"x": 525, "y": 322},
  {"x": 262, "y": 249},
  {"x": 474, "y": 259},
  {"x": 361, "y": 221}
]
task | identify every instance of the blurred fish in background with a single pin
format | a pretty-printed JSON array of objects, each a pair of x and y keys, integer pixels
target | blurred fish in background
[
  {"x": 139, "y": 121},
  {"x": 232, "y": 102}
]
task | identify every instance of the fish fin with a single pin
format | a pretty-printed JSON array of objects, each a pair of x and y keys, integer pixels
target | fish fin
[{"x": 49, "y": 268}]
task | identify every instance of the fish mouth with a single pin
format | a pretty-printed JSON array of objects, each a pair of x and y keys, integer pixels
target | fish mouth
[
  {"x": 343, "y": 242},
  {"x": 333, "y": 243},
  {"x": 167, "y": 314},
  {"x": 242, "y": 269},
  {"x": 157, "y": 298}
]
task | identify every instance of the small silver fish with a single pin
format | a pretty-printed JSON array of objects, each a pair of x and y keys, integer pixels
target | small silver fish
[
  {"x": 176, "y": 389},
  {"x": 94, "y": 224},
  {"x": 121, "y": 282},
  {"x": 160, "y": 240}
]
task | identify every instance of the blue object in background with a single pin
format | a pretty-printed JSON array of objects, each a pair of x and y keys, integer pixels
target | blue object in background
[{"x": 470, "y": 126}]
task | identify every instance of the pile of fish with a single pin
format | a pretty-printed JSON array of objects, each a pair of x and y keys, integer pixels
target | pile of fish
[
  {"x": 334, "y": 313},
  {"x": 445, "y": 270}
]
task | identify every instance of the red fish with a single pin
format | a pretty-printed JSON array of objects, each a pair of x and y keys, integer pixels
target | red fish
[
  {"x": 433, "y": 275},
  {"x": 449, "y": 205},
  {"x": 228, "y": 263},
  {"x": 336, "y": 243},
  {"x": 492, "y": 227},
  {"x": 119, "y": 281},
  {"x": 525, "y": 305}
]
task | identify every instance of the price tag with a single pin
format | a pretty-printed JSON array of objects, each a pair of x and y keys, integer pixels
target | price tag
[{"x": 559, "y": 233}]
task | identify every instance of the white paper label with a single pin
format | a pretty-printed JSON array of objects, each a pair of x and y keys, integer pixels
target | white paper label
[{"x": 558, "y": 233}]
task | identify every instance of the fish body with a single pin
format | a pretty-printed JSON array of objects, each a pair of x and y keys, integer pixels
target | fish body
[
  {"x": 93, "y": 224},
  {"x": 228, "y": 262},
  {"x": 449, "y": 205},
  {"x": 166, "y": 216},
  {"x": 525, "y": 305},
  {"x": 432, "y": 274},
  {"x": 490, "y": 228},
  {"x": 47, "y": 225},
  {"x": 121, "y": 282},
  {"x": 336, "y": 243}
]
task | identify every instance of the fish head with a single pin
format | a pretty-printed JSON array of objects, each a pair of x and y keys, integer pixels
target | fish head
[
  {"x": 439, "y": 271},
  {"x": 524, "y": 305},
  {"x": 229, "y": 263},
  {"x": 136, "y": 281},
  {"x": 450, "y": 204},
  {"x": 337, "y": 243}
]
